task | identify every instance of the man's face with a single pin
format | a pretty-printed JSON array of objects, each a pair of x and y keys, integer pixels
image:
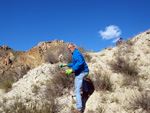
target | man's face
[{"x": 71, "y": 48}]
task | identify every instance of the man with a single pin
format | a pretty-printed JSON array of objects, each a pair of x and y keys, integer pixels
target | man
[
  {"x": 81, "y": 70},
  {"x": 119, "y": 42}
]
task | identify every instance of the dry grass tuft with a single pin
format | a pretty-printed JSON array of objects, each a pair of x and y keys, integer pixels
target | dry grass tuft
[
  {"x": 51, "y": 57},
  {"x": 100, "y": 109},
  {"x": 87, "y": 57},
  {"x": 124, "y": 66},
  {"x": 102, "y": 81},
  {"x": 66, "y": 55},
  {"x": 140, "y": 101},
  {"x": 57, "y": 86},
  {"x": 6, "y": 85},
  {"x": 110, "y": 48},
  {"x": 123, "y": 63},
  {"x": 19, "y": 107}
]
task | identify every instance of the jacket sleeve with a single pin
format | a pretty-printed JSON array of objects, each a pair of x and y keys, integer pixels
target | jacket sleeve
[
  {"x": 70, "y": 64},
  {"x": 78, "y": 64}
]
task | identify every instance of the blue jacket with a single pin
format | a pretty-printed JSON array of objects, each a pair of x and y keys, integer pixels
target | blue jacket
[{"x": 78, "y": 65}]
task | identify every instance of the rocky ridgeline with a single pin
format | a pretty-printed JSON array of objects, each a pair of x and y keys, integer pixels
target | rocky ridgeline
[
  {"x": 5, "y": 47},
  {"x": 45, "y": 45},
  {"x": 127, "y": 67},
  {"x": 35, "y": 54}
]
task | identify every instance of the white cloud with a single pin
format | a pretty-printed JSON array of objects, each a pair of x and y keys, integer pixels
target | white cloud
[
  {"x": 115, "y": 40},
  {"x": 110, "y": 32}
]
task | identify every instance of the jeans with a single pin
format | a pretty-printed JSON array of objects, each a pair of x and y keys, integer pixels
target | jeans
[{"x": 79, "y": 81}]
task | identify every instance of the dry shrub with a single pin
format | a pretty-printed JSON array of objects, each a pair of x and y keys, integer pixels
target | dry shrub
[
  {"x": 140, "y": 100},
  {"x": 128, "y": 80},
  {"x": 148, "y": 32},
  {"x": 110, "y": 48},
  {"x": 81, "y": 49},
  {"x": 87, "y": 57},
  {"x": 130, "y": 42},
  {"x": 51, "y": 57},
  {"x": 100, "y": 109},
  {"x": 102, "y": 81},
  {"x": 6, "y": 85},
  {"x": 124, "y": 66},
  {"x": 60, "y": 83},
  {"x": 103, "y": 54},
  {"x": 21, "y": 70},
  {"x": 7, "y": 79},
  {"x": 123, "y": 63},
  {"x": 147, "y": 51},
  {"x": 35, "y": 89},
  {"x": 11, "y": 75},
  {"x": 66, "y": 55},
  {"x": 19, "y": 107}
]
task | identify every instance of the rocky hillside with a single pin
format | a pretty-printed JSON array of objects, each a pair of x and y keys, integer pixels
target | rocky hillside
[
  {"x": 118, "y": 82},
  {"x": 15, "y": 64}
]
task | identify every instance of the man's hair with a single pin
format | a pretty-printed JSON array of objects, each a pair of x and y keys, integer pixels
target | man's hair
[{"x": 72, "y": 44}]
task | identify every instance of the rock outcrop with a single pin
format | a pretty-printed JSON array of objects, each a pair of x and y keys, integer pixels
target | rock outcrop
[
  {"x": 45, "y": 45},
  {"x": 5, "y": 47},
  {"x": 26, "y": 59}
]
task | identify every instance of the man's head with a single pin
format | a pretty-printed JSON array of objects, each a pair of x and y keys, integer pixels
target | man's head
[
  {"x": 120, "y": 39},
  {"x": 71, "y": 47}
]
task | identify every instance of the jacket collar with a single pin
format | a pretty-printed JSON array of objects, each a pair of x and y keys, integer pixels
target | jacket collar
[{"x": 73, "y": 51}]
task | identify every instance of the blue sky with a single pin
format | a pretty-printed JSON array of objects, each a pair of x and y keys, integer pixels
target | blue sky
[{"x": 93, "y": 24}]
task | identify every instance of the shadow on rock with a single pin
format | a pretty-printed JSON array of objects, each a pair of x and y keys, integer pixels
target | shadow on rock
[{"x": 86, "y": 95}]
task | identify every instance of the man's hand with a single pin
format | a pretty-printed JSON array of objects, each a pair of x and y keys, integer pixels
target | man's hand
[
  {"x": 63, "y": 65},
  {"x": 69, "y": 71}
]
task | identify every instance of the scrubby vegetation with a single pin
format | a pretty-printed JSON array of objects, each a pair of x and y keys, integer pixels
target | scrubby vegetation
[
  {"x": 58, "y": 53},
  {"x": 19, "y": 107},
  {"x": 6, "y": 85},
  {"x": 51, "y": 57},
  {"x": 101, "y": 81},
  {"x": 61, "y": 82},
  {"x": 140, "y": 100},
  {"x": 100, "y": 109},
  {"x": 11, "y": 75},
  {"x": 124, "y": 64}
]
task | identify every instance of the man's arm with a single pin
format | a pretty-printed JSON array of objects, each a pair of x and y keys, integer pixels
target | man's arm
[{"x": 70, "y": 64}]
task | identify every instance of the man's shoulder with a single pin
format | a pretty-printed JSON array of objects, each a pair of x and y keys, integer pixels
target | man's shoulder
[{"x": 77, "y": 53}]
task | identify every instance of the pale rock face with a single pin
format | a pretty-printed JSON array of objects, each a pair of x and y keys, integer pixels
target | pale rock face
[{"x": 112, "y": 102}]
